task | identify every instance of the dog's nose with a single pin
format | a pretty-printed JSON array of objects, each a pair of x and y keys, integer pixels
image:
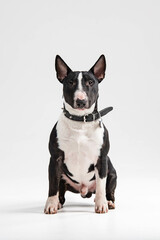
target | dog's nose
[{"x": 80, "y": 103}]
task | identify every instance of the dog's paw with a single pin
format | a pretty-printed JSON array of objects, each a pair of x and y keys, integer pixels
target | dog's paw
[
  {"x": 60, "y": 206},
  {"x": 111, "y": 205},
  {"x": 52, "y": 205},
  {"x": 101, "y": 205}
]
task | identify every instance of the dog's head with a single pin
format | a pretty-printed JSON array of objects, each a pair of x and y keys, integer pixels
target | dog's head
[{"x": 80, "y": 89}]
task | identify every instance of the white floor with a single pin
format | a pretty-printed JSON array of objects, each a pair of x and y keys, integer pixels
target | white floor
[{"x": 136, "y": 215}]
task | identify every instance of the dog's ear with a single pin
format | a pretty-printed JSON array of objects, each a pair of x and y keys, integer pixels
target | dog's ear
[
  {"x": 61, "y": 68},
  {"x": 99, "y": 68}
]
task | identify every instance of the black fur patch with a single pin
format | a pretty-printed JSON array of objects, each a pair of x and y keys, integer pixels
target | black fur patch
[
  {"x": 111, "y": 182},
  {"x": 70, "y": 85},
  {"x": 90, "y": 86},
  {"x": 102, "y": 163},
  {"x": 66, "y": 171},
  {"x": 91, "y": 168},
  {"x": 62, "y": 190},
  {"x": 55, "y": 165},
  {"x": 71, "y": 179},
  {"x": 93, "y": 178},
  {"x": 70, "y": 188}
]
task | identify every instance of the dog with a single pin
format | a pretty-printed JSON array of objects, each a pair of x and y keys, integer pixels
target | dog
[{"x": 79, "y": 142}]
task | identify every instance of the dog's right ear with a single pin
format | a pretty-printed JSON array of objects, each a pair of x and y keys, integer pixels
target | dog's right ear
[{"x": 62, "y": 68}]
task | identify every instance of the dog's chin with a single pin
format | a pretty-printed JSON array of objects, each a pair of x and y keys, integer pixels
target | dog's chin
[{"x": 79, "y": 111}]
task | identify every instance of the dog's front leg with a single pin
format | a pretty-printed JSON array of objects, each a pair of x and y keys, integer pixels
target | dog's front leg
[
  {"x": 55, "y": 170},
  {"x": 101, "y": 205}
]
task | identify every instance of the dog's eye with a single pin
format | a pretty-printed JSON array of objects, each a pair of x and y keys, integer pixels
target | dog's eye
[
  {"x": 89, "y": 83},
  {"x": 71, "y": 82}
]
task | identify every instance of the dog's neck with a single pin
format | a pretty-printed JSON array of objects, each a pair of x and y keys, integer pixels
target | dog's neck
[{"x": 88, "y": 116}]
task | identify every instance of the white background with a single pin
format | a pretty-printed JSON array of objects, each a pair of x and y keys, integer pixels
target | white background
[{"x": 31, "y": 34}]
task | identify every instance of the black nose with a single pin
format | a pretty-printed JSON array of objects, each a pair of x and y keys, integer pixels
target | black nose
[{"x": 80, "y": 103}]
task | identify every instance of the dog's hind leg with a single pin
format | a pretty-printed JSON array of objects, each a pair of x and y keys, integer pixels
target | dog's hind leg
[
  {"x": 62, "y": 190},
  {"x": 111, "y": 185}
]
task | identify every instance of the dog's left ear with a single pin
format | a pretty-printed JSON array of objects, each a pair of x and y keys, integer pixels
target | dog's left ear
[{"x": 99, "y": 68}]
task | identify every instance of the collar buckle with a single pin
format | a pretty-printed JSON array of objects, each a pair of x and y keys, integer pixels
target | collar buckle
[
  {"x": 84, "y": 118},
  {"x": 93, "y": 116}
]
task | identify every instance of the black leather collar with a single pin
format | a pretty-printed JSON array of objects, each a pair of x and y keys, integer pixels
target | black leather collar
[{"x": 88, "y": 118}]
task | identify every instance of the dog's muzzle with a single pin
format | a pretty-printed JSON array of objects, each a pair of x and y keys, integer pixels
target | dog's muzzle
[{"x": 81, "y": 104}]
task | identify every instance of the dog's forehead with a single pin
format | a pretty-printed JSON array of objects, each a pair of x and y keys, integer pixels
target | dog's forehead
[
  {"x": 87, "y": 75},
  {"x": 73, "y": 75},
  {"x": 81, "y": 75}
]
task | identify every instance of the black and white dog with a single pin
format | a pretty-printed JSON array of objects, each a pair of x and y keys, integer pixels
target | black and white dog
[{"x": 79, "y": 142}]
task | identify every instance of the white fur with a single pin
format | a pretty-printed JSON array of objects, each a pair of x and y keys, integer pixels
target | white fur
[
  {"x": 80, "y": 88},
  {"x": 80, "y": 93},
  {"x": 101, "y": 204},
  {"x": 52, "y": 204},
  {"x": 81, "y": 143}
]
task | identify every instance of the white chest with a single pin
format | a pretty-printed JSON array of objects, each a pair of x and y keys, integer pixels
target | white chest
[{"x": 81, "y": 143}]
